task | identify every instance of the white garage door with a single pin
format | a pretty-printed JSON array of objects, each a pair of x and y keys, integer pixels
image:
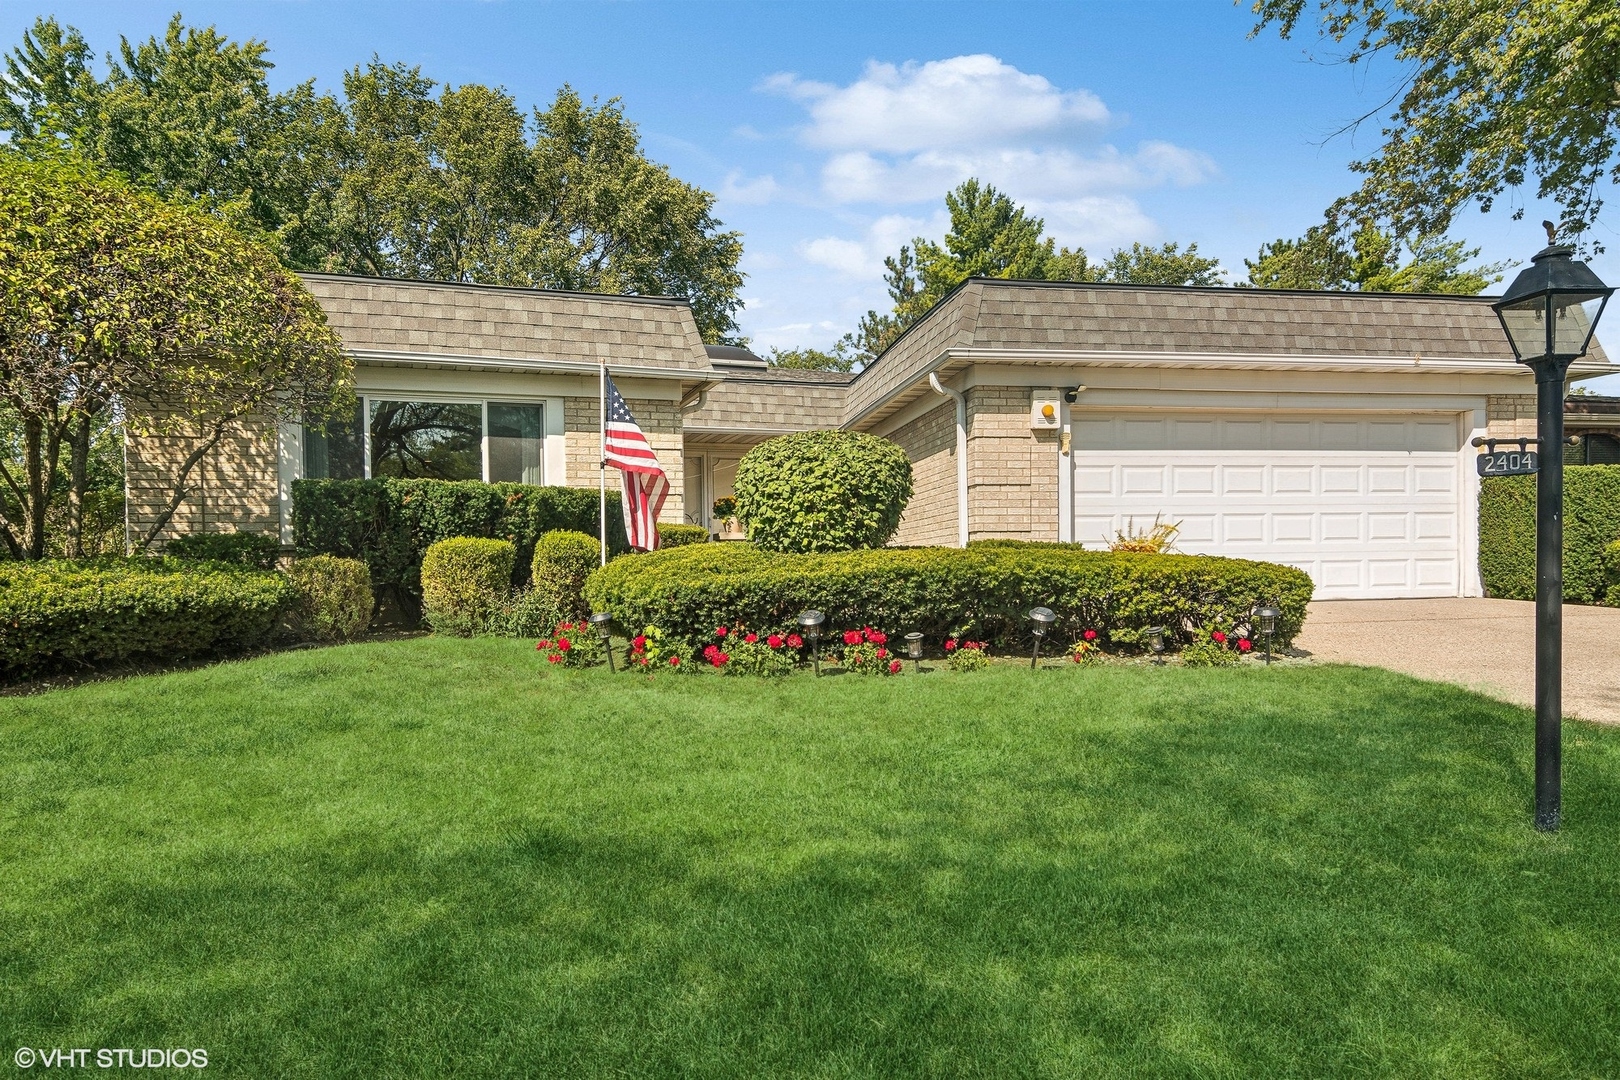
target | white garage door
[{"x": 1368, "y": 506}]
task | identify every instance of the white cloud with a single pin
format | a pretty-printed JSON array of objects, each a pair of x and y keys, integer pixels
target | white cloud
[
  {"x": 755, "y": 192},
  {"x": 963, "y": 101},
  {"x": 863, "y": 259}
]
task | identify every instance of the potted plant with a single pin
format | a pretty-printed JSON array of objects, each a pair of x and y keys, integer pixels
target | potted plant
[{"x": 726, "y": 525}]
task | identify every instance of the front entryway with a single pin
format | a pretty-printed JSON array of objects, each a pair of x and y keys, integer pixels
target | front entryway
[{"x": 1370, "y": 506}]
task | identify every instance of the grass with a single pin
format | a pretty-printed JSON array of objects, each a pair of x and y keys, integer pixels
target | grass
[{"x": 433, "y": 858}]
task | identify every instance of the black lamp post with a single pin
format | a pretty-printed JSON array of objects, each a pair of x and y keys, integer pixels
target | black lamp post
[
  {"x": 1041, "y": 620},
  {"x": 914, "y": 650},
  {"x": 602, "y": 623},
  {"x": 1549, "y": 313},
  {"x": 1268, "y": 626},
  {"x": 810, "y": 622}
]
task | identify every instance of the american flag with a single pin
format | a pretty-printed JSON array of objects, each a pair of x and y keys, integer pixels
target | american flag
[{"x": 645, "y": 486}]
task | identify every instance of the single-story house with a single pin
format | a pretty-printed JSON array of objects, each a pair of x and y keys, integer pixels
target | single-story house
[{"x": 1330, "y": 431}]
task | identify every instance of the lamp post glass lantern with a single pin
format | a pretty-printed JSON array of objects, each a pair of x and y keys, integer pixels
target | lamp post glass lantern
[
  {"x": 1268, "y": 626},
  {"x": 1041, "y": 620},
  {"x": 1549, "y": 314},
  {"x": 602, "y": 623},
  {"x": 914, "y": 642},
  {"x": 1155, "y": 636},
  {"x": 810, "y": 622}
]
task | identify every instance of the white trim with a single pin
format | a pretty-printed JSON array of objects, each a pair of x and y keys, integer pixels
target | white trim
[
  {"x": 1459, "y": 365},
  {"x": 1065, "y": 470},
  {"x": 528, "y": 364},
  {"x": 483, "y": 438},
  {"x": 555, "y": 446},
  {"x": 289, "y": 467},
  {"x": 1475, "y": 423}
]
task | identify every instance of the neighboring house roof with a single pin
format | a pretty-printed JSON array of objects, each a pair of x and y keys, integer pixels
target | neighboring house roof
[
  {"x": 1592, "y": 410},
  {"x": 770, "y": 400},
  {"x": 988, "y": 319},
  {"x": 386, "y": 319}
]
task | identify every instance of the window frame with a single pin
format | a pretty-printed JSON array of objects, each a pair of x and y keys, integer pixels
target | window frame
[{"x": 542, "y": 403}]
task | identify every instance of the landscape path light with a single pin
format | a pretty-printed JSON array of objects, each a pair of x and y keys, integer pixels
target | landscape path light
[
  {"x": 810, "y": 622},
  {"x": 1155, "y": 636},
  {"x": 914, "y": 650},
  {"x": 1549, "y": 314},
  {"x": 602, "y": 623},
  {"x": 1268, "y": 626},
  {"x": 1041, "y": 619}
]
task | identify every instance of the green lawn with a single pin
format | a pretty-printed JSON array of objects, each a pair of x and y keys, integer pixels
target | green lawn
[{"x": 437, "y": 858}]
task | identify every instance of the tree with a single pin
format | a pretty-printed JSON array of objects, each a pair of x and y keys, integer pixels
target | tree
[
  {"x": 112, "y": 298},
  {"x": 1167, "y": 265},
  {"x": 1494, "y": 92},
  {"x": 839, "y": 359},
  {"x": 1370, "y": 262}
]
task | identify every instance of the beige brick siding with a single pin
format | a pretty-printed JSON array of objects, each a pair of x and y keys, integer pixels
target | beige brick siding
[
  {"x": 234, "y": 488},
  {"x": 1012, "y": 473},
  {"x": 930, "y": 442},
  {"x": 1511, "y": 415},
  {"x": 660, "y": 421}
]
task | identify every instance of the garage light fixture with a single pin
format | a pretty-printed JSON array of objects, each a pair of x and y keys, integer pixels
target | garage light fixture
[
  {"x": 810, "y": 622},
  {"x": 1549, "y": 314},
  {"x": 1041, "y": 619}
]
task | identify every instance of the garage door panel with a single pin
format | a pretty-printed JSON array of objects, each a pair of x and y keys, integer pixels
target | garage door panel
[{"x": 1368, "y": 507}]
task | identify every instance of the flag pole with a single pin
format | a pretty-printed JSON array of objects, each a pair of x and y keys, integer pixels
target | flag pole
[{"x": 601, "y": 413}]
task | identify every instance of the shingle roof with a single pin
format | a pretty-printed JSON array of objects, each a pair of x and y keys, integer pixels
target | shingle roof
[
  {"x": 449, "y": 318},
  {"x": 777, "y": 399}
]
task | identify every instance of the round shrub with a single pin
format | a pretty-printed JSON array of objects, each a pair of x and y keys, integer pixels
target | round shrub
[
  {"x": 562, "y": 561},
  {"x": 823, "y": 491},
  {"x": 258, "y": 550},
  {"x": 464, "y": 581},
  {"x": 676, "y": 535},
  {"x": 334, "y": 598}
]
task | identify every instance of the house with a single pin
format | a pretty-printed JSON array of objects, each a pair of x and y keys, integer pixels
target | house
[{"x": 1331, "y": 431}]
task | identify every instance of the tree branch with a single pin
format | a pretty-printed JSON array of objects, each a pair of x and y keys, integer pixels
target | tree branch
[{"x": 180, "y": 494}]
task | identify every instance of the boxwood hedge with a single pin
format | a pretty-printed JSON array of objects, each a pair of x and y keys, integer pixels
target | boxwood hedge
[
  {"x": 984, "y": 589},
  {"x": 1507, "y": 532},
  {"x": 69, "y": 615},
  {"x": 389, "y": 524}
]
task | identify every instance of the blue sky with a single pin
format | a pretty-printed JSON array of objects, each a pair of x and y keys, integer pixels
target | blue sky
[{"x": 830, "y": 131}]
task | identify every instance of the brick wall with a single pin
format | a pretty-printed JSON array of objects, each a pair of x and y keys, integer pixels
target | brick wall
[
  {"x": 660, "y": 421},
  {"x": 1510, "y": 415},
  {"x": 234, "y": 488},
  {"x": 930, "y": 442},
  {"x": 1012, "y": 471}
]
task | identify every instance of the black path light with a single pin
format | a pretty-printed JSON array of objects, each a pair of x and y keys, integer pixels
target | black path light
[
  {"x": 602, "y": 623},
  {"x": 1041, "y": 620},
  {"x": 810, "y": 622},
  {"x": 1550, "y": 312},
  {"x": 1268, "y": 616},
  {"x": 1155, "y": 636},
  {"x": 914, "y": 650}
]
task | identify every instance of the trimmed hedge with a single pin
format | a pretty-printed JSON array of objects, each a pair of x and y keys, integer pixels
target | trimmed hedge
[
  {"x": 1611, "y": 572},
  {"x": 678, "y": 535},
  {"x": 58, "y": 614},
  {"x": 1507, "y": 532},
  {"x": 257, "y": 550},
  {"x": 334, "y": 598},
  {"x": 563, "y": 559},
  {"x": 464, "y": 581},
  {"x": 822, "y": 491},
  {"x": 984, "y": 591},
  {"x": 389, "y": 524}
]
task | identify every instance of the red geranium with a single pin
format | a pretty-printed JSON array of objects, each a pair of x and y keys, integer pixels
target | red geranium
[
  {"x": 794, "y": 640},
  {"x": 555, "y": 658},
  {"x": 774, "y": 641},
  {"x": 882, "y": 652},
  {"x": 720, "y": 631},
  {"x": 674, "y": 661},
  {"x": 1218, "y": 638},
  {"x": 852, "y": 637},
  {"x": 1090, "y": 635},
  {"x": 950, "y": 644},
  {"x": 1244, "y": 644},
  {"x": 751, "y": 638},
  {"x": 894, "y": 666},
  {"x": 542, "y": 646},
  {"x": 564, "y": 644}
]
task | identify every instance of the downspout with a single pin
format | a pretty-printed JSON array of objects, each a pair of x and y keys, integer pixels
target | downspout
[{"x": 961, "y": 457}]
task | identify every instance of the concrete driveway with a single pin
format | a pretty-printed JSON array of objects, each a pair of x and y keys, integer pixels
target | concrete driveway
[{"x": 1485, "y": 645}]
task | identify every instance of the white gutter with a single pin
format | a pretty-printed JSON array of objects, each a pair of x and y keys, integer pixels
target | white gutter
[{"x": 961, "y": 457}]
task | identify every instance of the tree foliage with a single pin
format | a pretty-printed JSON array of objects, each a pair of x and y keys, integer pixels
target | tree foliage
[
  {"x": 399, "y": 178},
  {"x": 112, "y": 298},
  {"x": 1493, "y": 93},
  {"x": 839, "y": 359},
  {"x": 1373, "y": 260},
  {"x": 1167, "y": 265}
]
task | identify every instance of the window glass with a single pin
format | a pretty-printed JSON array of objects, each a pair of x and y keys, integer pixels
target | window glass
[
  {"x": 431, "y": 440},
  {"x": 516, "y": 443},
  {"x": 336, "y": 449}
]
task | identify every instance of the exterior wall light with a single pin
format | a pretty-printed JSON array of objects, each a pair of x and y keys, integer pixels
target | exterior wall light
[
  {"x": 1549, "y": 314},
  {"x": 914, "y": 642},
  {"x": 602, "y": 623},
  {"x": 811, "y": 622},
  {"x": 1041, "y": 620},
  {"x": 1268, "y": 617}
]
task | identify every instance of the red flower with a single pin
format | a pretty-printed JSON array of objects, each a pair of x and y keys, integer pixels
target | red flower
[
  {"x": 1090, "y": 635},
  {"x": 794, "y": 640},
  {"x": 1244, "y": 644},
  {"x": 711, "y": 651},
  {"x": 878, "y": 638},
  {"x": 564, "y": 644},
  {"x": 1218, "y": 638},
  {"x": 751, "y": 638},
  {"x": 542, "y": 646},
  {"x": 639, "y": 642},
  {"x": 674, "y": 661},
  {"x": 950, "y": 644},
  {"x": 852, "y": 637},
  {"x": 555, "y": 658},
  {"x": 720, "y": 631},
  {"x": 894, "y": 667},
  {"x": 774, "y": 641},
  {"x": 882, "y": 652}
]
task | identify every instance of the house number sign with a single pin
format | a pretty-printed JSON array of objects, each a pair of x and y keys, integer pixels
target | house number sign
[{"x": 1519, "y": 461}]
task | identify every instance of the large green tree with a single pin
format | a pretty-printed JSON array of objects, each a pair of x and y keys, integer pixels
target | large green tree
[
  {"x": 1143, "y": 264},
  {"x": 1373, "y": 260},
  {"x": 112, "y": 299},
  {"x": 1492, "y": 93}
]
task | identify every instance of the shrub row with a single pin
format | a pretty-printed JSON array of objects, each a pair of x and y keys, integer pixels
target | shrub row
[
  {"x": 56, "y": 615},
  {"x": 984, "y": 590},
  {"x": 389, "y": 524},
  {"x": 1611, "y": 572},
  {"x": 257, "y": 550},
  {"x": 1507, "y": 532}
]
